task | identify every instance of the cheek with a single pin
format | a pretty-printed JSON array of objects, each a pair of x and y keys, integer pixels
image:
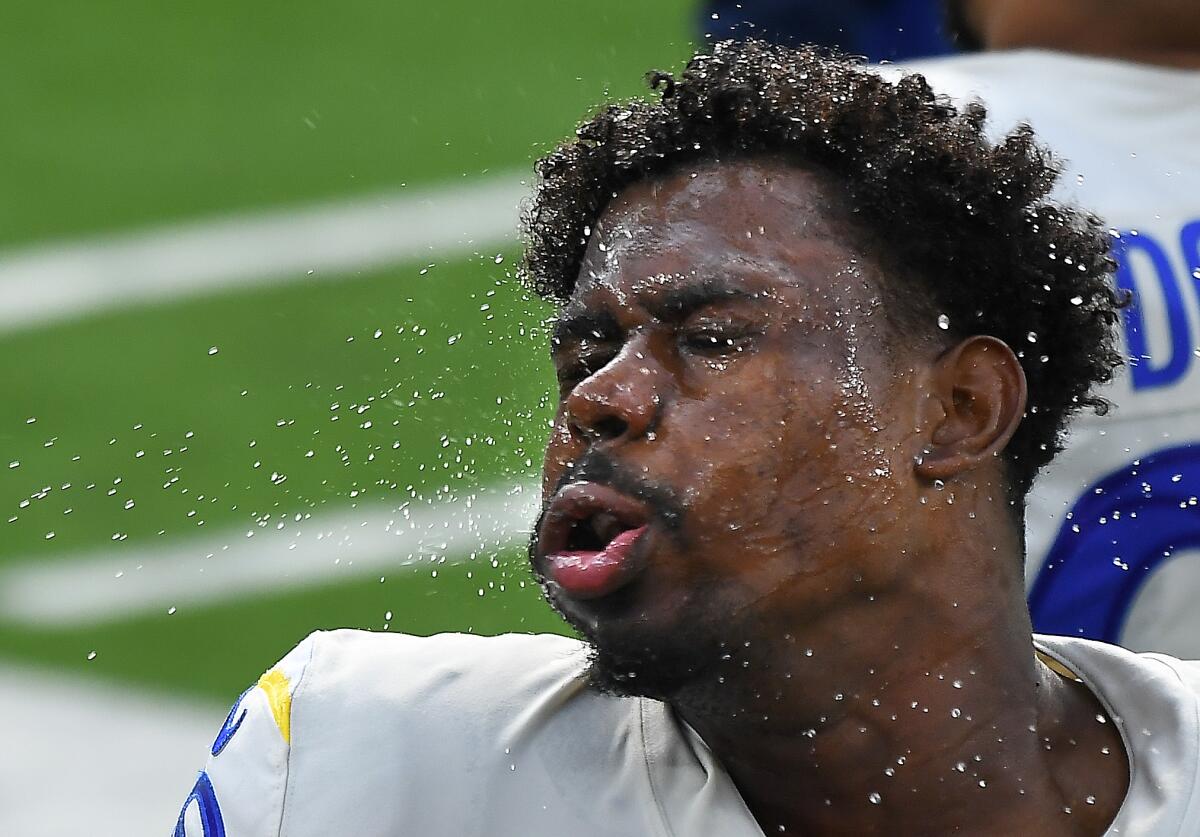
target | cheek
[
  {"x": 743, "y": 444},
  {"x": 790, "y": 453},
  {"x": 560, "y": 452},
  {"x": 853, "y": 488}
]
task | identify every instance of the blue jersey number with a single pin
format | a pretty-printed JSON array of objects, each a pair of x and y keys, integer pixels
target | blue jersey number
[{"x": 1117, "y": 534}]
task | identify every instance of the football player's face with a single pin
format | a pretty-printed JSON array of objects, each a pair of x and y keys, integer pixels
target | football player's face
[{"x": 733, "y": 445}]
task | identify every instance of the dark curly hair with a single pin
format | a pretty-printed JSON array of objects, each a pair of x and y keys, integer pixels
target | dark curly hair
[{"x": 965, "y": 222}]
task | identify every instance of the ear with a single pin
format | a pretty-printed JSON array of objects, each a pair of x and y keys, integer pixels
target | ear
[{"x": 976, "y": 401}]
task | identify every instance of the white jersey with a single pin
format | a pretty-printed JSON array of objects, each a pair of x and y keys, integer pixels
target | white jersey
[
  {"x": 1113, "y": 523},
  {"x": 387, "y": 735}
]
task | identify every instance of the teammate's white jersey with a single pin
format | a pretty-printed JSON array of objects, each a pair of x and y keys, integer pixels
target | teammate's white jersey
[
  {"x": 1114, "y": 525},
  {"x": 387, "y": 735}
]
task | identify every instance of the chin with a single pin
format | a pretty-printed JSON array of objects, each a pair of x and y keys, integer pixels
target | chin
[
  {"x": 645, "y": 673},
  {"x": 641, "y": 645},
  {"x": 633, "y": 657}
]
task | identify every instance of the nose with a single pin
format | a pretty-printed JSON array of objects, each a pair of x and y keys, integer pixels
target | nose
[{"x": 619, "y": 402}]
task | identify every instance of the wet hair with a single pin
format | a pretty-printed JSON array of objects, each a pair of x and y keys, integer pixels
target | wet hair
[{"x": 962, "y": 226}]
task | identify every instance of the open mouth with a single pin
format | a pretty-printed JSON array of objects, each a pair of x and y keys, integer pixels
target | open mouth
[
  {"x": 595, "y": 532},
  {"x": 587, "y": 539}
]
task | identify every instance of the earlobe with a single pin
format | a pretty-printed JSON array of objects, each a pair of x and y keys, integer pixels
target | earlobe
[{"x": 977, "y": 399}]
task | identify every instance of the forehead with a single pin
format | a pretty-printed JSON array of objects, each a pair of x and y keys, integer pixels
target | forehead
[{"x": 764, "y": 225}]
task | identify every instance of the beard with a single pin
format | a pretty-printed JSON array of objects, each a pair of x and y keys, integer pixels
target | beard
[
  {"x": 643, "y": 665},
  {"x": 630, "y": 657}
]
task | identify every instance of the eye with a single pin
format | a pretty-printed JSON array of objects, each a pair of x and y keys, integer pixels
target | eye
[{"x": 716, "y": 339}]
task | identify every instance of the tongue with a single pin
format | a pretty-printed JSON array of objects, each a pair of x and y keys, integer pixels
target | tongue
[{"x": 588, "y": 573}]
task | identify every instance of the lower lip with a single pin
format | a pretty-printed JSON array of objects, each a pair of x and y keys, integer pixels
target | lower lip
[{"x": 590, "y": 574}]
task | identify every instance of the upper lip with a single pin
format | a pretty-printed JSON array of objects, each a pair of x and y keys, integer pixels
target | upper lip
[{"x": 581, "y": 501}]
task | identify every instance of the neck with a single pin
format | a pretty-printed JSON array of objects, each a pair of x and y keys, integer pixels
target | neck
[
  {"x": 911, "y": 714},
  {"x": 1114, "y": 30}
]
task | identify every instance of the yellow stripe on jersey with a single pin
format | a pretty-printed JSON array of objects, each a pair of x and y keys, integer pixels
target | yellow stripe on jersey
[
  {"x": 1057, "y": 667},
  {"x": 279, "y": 697}
]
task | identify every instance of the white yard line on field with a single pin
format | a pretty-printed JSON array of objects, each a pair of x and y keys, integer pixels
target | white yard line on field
[
  {"x": 61, "y": 280},
  {"x": 123, "y": 581},
  {"x": 83, "y": 757}
]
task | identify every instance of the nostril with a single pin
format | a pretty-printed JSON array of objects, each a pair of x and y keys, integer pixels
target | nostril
[{"x": 609, "y": 427}]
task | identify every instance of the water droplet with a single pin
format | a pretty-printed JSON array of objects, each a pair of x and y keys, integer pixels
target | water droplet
[
  {"x": 943, "y": 322},
  {"x": 212, "y": 350},
  {"x": 874, "y": 798}
]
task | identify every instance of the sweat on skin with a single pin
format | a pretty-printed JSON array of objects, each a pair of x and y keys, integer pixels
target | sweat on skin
[{"x": 836, "y": 605}]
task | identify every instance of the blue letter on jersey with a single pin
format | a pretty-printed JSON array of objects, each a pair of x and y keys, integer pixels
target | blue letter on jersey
[
  {"x": 210, "y": 813},
  {"x": 1147, "y": 372},
  {"x": 1189, "y": 240},
  {"x": 230, "y": 726}
]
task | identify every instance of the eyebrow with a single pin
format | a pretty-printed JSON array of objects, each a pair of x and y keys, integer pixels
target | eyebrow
[
  {"x": 677, "y": 303},
  {"x": 582, "y": 324},
  {"x": 670, "y": 305}
]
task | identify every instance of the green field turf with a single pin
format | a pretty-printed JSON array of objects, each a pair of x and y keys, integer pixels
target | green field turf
[
  {"x": 134, "y": 113},
  {"x": 463, "y": 392},
  {"x": 297, "y": 377},
  {"x": 128, "y": 430},
  {"x": 216, "y": 651}
]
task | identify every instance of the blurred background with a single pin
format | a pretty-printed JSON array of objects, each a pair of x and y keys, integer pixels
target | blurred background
[
  {"x": 264, "y": 365},
  {"x": 264, "y": 369}
]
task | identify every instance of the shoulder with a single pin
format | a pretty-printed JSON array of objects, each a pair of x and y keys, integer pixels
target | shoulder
[
  {"x": 338, "y": 722},
  {"x": 1106, "y": 663},
  {"x": 365, "y": 682},
  {"x": 399, "y": 665},
  {"x": 463, "y": 680},
  {"x": 1154, "y": 699},
  {"x": 1015, "y": 67},
  {"x": 240, "y": 791}
]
